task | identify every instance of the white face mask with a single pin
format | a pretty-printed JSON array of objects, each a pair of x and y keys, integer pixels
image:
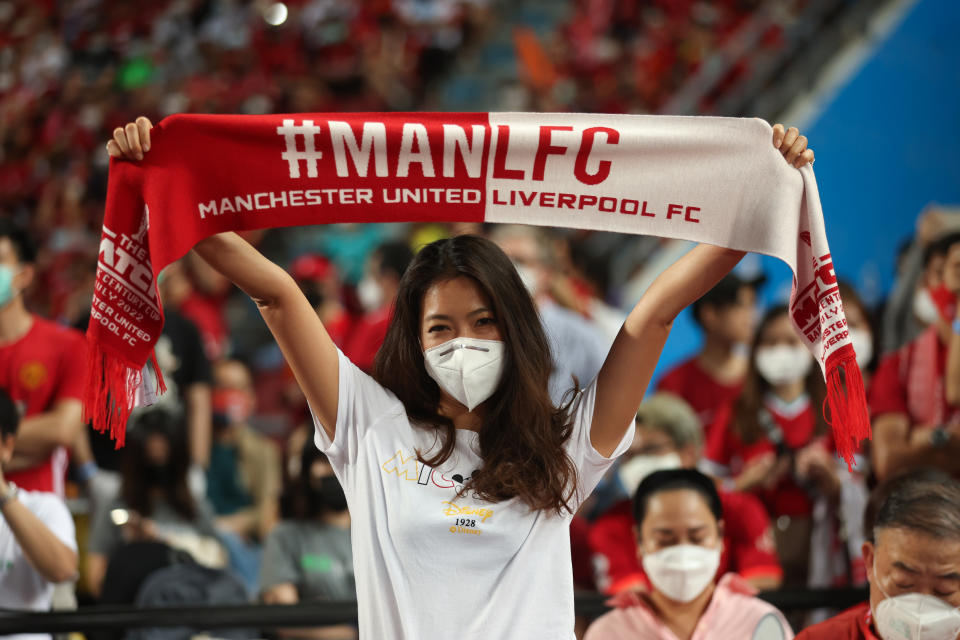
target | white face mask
[
  {"x": 863, "y": 346},
  {"x": 783, "y": 364},
  {"x": 632, "y": 472},
  {"x": 916, "y": 616},
  {"x": 683, "y": 571},
  {"x": 370, "y": 294},
  {"x": 469, "y": 369},
  {"x": 924, "y": 308},
  {"x": 528, "y": 276}
]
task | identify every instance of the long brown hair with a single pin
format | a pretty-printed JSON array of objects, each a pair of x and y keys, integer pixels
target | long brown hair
[
  {"x": 137, "y": 490},
  {"x": 747, "y": 411},
  {"x": 523, "y": 434}
]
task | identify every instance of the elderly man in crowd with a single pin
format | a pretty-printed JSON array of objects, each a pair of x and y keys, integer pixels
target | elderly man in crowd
[{"x": 913, "y": 565}]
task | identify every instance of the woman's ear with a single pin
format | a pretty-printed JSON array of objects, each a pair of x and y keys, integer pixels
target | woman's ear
[{"x": 721, "y": 526}]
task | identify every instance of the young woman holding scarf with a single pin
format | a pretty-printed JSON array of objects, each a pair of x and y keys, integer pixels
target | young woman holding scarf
[{"x": 460, "y": 473}]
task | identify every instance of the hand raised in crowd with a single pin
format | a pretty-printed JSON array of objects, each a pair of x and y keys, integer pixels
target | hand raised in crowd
[
  {"x": 132, "y": 140},
  {"x": 791, "y": 144}
]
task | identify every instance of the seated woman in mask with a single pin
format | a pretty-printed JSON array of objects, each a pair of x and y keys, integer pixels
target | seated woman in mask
[
  {"x": 679, "y": 527},
  {"x": 308, "y": 555},
  {"x": 154, "y": 502},
  {"x": 775, "y": 443},
  {"x": 669, "y": 436}
]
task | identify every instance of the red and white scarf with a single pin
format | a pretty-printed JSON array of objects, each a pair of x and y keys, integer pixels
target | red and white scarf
[{"x": 713, "y": 180}]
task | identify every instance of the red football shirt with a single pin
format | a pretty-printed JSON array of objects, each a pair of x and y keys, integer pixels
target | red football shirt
[
  {"x": 888, "y": 389},
  {"x": 40, "y": 369},
  {"x": 852, "y": 624},
  {"x": 725, "y": 448},
  {"x": 700, "y": 389},
  {"x": 362, "y": 345},
  {"x": 748, "y": 547}
]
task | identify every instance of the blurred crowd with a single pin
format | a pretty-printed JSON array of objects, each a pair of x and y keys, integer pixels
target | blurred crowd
[
  {"x": 220, "y": 494},
  {"x": 224, "y": 470},
  {"x": 623, "y": 56}
]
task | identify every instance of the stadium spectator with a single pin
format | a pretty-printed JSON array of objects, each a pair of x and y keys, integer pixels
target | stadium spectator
[
  {"x": 244, "y": 478},
  {"x": 578, "y": 346},
  {"x": 680, "y": 520},
  {"x": 774, "y": 441},
  {"x": 203, "y": 305},
  {"x": 713, "y": 378},
  {"x": 38, "y": 547},
  {"x": 320, "y": 282},
  {"x": 910, "y": 308},
  {"x": 915, "y": 395},
  {"x": 912, "y": 554},
  {"x": 377, "y": 291},
  {"x": 42, "y": 367},
  {"x": 308, "y": 556},
  {"x": 155, "y": 502},
  {"x": 186, "y": 371},
  {"x": 669, "y": 436}
]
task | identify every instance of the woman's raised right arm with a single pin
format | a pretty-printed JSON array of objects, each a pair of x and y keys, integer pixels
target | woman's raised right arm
[{"x": 293, "y": 322}]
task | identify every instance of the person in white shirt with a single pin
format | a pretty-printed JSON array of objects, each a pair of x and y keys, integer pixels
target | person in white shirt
[
  {"x": 461, "y": 475},
  {"x": 38, "y": 547}
]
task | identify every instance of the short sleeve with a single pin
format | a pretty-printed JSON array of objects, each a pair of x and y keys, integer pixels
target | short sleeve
[
  {"x": 361, "y": 402},
  {"x": 590, "y": 463},
  {"x": 73, "y": 365},
  {"x": 279, "y": 562},
  {"x": 887, "y": 394},
  {"x": 104, "y": 534},
  {"x": 52, "y": 512},
  {"x": 717, "y": 449},
  {"x": 753, "y": 550}
]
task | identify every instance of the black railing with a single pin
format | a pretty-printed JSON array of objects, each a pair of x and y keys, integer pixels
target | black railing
[{"x": 316, "y": 614}]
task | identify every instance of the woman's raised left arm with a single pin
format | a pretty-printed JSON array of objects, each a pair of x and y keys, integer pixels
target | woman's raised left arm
[{"x": 629, "y": 366}]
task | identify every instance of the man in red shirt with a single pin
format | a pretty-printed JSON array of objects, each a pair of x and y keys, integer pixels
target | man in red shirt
[
  {"x": 915, "y": 394},
  {"x": 913, "y": 564},
  {"x": 42, "y": 368},
  {"x": 668, "y": 436},
  {"x": 713, "y": 377},
  {"x": 377, "y": 292}
]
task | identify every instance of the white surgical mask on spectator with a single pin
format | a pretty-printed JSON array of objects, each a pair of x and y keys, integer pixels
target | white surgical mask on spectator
[
  {"x": 528, "y": 276},
  {"x": 632, "y": 472},
  {"x": 370, "y": 294},
  {"x": 683, "y": 571},
  {"x": 783, "y": 364},
  {"x": 469, "y": 369},
  {"x": 924, "y": 307},
  {"x": 916, "y": 616},
  {"x": 863, "y": 346}
]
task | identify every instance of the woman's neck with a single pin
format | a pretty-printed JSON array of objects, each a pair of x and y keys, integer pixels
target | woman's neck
[
  {"x": 790, "y": 391},
  {"x": 682, "y": 617},
  {"x": 461, "y": 417}
]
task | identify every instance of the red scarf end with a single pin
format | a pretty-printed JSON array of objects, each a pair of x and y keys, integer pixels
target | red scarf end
[
  {"x": 110, "y": 392},
  {"x": 845, "y": 407}
]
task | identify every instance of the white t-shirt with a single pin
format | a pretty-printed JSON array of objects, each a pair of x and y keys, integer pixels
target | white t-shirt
[
  {"x": 429, "y": 566},
  {"x": 21, "y": 586}
]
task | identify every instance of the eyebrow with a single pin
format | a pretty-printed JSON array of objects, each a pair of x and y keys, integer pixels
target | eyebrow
[
  {"x": 902, "y": 566},
  {"x": 442, "y": 316},
  {"x": 953, "y": 575}
]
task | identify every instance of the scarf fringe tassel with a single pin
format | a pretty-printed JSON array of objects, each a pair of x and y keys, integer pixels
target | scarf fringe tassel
[
  {"x": 110, "y": 392},
  {"x": 845, "y": 407}
]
